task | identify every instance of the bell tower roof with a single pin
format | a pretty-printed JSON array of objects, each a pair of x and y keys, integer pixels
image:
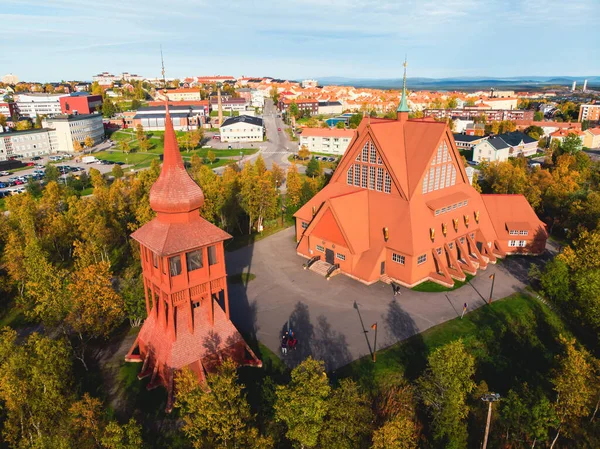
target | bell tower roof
[
  {"x": 403, "y": 106},
  {"x": 174, "y": 192}
]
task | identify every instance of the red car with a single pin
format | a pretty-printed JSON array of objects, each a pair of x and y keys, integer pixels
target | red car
[
  {"x": 30, "y": 164},
  {"x": 18, "y": 182}
]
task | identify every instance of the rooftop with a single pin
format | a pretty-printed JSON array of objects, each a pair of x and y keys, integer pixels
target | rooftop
[{"x": 257, "y": 121}]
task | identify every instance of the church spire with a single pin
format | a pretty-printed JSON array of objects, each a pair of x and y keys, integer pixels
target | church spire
[{"x": 403, "y": 106}]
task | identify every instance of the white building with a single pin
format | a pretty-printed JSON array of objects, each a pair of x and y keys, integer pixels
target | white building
[
  {"x": 325, "y": 140},
  {"x": 460, "y": 124},
  {"x": 330, "y": 107},
  {"x": 68, "y": 128},
  {"x": 258, "y": 99},
  {"x": 242, "y": 129},
  {"x": 25, "y": 144},
  {"x": 503, "y": 146},
  {"x": 500, "y": 103},
  {"x": 106, "y": 78},
  {"x": 309, "y": 83},
  {"x": 32, "y": 105}
]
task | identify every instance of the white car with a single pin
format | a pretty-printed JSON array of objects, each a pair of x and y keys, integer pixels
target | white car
[{"x": 4, "y": 173}]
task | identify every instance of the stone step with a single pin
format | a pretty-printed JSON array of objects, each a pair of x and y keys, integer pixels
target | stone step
[
  {"x": 385, "y": 279},
  {"x": 320, "y": 267}
]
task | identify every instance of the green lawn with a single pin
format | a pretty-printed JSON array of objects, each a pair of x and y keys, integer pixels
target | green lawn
[
  {"x": 138, "y": 160},
  {"x": 514, "y": 340},
  {"x": 203, "y": 152},
  {"x": 429, "y": 286}
]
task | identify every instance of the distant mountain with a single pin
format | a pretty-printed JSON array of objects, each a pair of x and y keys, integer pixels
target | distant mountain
[{"x": 462, "y": 83}]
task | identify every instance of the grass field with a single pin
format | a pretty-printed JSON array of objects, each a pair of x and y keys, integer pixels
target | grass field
[
  {"x": 429, "y": 286},
  {"x": 514, "y": 340}
]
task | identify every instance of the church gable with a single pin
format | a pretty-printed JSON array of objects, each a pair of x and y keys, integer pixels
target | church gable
[
  {"x": 328, "y": 229},
  {"x": 442, "y": 171},
  {"x": 365, "y": 168}
]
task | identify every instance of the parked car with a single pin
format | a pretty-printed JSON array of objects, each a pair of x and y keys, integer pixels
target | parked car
[
  {"x": 36, "y": 158},
  {"x": 217, "y": 137},
  {"x": 331, "y": 159},
  {"x": 3, "y": 185},
  {"x": 472, "y": 162},
  {"x": 18, "y": 182},
  {"x": 39, "y": 166},
  {"x": 4, "y": 173}
]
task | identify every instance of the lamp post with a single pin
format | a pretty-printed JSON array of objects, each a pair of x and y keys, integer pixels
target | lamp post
[
  {"x": 374, "y": 327},
  {"x": 493, "y": 278},
  {"x": 490, "y": 398}
]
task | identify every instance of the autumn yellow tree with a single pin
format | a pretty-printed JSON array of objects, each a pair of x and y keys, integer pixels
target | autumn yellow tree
[
  {"x": 88, "y": 142},
  {"x": 77, "y": 146},
  {"x": 294, "y": 187},
  {"x": 303, "y": 152}
]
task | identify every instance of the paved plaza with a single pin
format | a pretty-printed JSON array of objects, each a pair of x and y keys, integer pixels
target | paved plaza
[{"x": 322, "y": 312}]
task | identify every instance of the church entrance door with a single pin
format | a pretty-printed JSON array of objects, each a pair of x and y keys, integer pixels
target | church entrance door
[{"x": 329, "y": 256}]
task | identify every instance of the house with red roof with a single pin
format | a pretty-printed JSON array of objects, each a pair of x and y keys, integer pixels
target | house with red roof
[{"x": 400, "y": 208}]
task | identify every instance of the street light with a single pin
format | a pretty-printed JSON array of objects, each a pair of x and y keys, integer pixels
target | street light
[
  {"x": 490, "y": 398},
  {"x": 493, "y": 278}
]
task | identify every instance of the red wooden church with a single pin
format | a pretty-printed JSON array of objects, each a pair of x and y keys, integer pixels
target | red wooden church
[
  {"x": 400, "y": 208},
  {"x": 185, "y": 280}
]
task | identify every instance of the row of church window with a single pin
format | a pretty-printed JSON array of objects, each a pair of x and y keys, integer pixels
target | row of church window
[
  {"x": 398, "y": 258},
  {"x": 373, "y": 178},
  {"x": 443, "y": 210},
  {"x": 194, "y": 260},
  {"x": 369, "y": 154},
  {"x": 518, "y": 232},
  {"x": 442, "y": 173},
  {"x": 340, "y": 256}
]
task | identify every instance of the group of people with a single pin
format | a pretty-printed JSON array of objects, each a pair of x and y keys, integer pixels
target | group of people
[{"x": 288, "y": 342}]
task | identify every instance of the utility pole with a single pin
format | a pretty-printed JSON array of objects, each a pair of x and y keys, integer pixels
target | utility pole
[
  {"x": 493, "y": 278},
  {"x": 374, "y": 326},
  {"x": 490, "y": 398}
]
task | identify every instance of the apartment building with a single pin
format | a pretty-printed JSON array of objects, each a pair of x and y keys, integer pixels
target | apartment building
[
  {"x": 470, "y": 113},
  {"x": 589, "y": 112},
  {"x": 32, "y": 105},
  {"x": 243, "y": 128},
  {"x": 326, "y": 140},
  {"x": 25, "y": 144},
  {"x": 65, "y": 129}
]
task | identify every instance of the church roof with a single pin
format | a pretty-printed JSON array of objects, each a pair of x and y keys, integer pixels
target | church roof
[{"x": 174, "y": 191}]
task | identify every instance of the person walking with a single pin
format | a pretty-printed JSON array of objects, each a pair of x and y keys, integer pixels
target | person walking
[{"x": 284, "y": 344}]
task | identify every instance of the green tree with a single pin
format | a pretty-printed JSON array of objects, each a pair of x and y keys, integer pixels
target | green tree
[
  {"x": 349, "y": 418},
  {"x": 108, "y": 108},
  {"x": 139, "y": 131},
  {"x": 258, "y": 198},
  {"x": 398, "y": 432},
  {"x": 294, "y": 186},
  {"x": 573, "y": 385},
  {"x": 211, "y": 156},
  {"x": 444, "y": 388},
  {"x": 571, "y": 144},
  {"x": 132, "y": 292},
  {"x": 294, "y": 109},
  {"x": 538, "y": 116},
  {"x": 135, "y": 104},
  {"x": 217, "y": 416},
  {"x": 23, "y": 125},
  {"x": 340, "y": 125},
  {"x": 125, "y": 147},
  {"x": 38, "y": 121},
  {"x": 117, "y": 171},
  {"x": 303, "y": 404},
  {"x": 355, "y": 120},
  {"x": 35, "y": 389},
  {"x": 51, "y": 173}
]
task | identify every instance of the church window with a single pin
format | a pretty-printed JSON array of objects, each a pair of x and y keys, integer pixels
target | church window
[
  {"x": 439, "y": 155},
  {"x": 364, "y": 176},
  {"x": 379, "y": 161},
  {"x": 365, "y": 153},
  {"x": 431, "y": 178},
  {"x": 175, "y": 265},
  {"x": 155, "y": 260},
  {"x": 436, "y": 184},
  {"x": 442, "y": 176},
  {"x": 357, "y": 175},
  {"x": 439, "y": 251},
  {"x": 212, "y": 255},
  {"x": 453, "y": 180},
  {"x": 379, "y": 179},
  {"x": 358, "y": 157},
  {"x": 340, "y": 256},
  {"x": 425, "y": 181},
  {"x": 422, "y": 259},
  {"x": 388, "y": 183},
  {"x": 320, "y": 248},
  {"x": 350, "y": 175},
  {"x": 451, "y": 245},
  {"x": 523, "y": 232},
  {"x": 372, "y": 178},
  {"x": 194, "y": 260},
  {"x": 304, "y": 225},
  {"x": 398, "y": 258},
  {"x": 373, "y": 156}
]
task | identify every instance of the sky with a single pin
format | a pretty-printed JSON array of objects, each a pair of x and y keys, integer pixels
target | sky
[{"x": 75, "y": 39}]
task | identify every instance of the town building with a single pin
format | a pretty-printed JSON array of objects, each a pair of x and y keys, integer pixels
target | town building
[
  {"x": 25, "y": 144},
  {"x": 560, "y": 134},
  {"x": 245, "y": 93},
  {"x": 106, "y": 78},
  {"x": 475, "y": 129},
  {"x": 181, "y": 94},
  {"x": 242, "y": 128},
  {"x": 229, "y": 104},
  {"x": 184, "y": 117},
  {"x": 500, "y": 103},
  {"x": 326, "y": 140},
  {"x": 215, "y": 79},
  {"x": 467, "y": 142},
  {"x": 330, "y": 107},
  {"x": 258, "y": 99},
  {"x": 65, "y": 129},
  {"x": 32, "y": 105},
  {"x": 460, "y": 124},
  {"x": 309, "y": 83},
  {"x": 591, "y": 137},
  {"x": 9, "y": 109},
  {"x": 400, "y": 208},
  {"x": 185, "y": 283},
  {"x": 81, "y": 104},
  {"x": 589, "y": 112},
  {"x": 309, "y": 106},
  {"x": 547, "y": 127},
  {"x": 492, "y": 115},
  {"x": 502, "y": 146}
]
